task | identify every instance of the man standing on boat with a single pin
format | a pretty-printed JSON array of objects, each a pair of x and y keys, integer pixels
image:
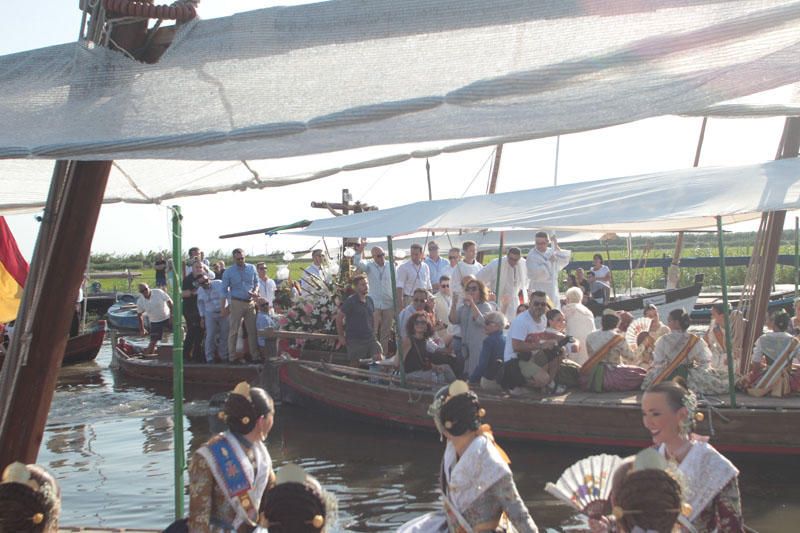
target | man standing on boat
[
  {"x": 513, "y": 279},
  {"x": 380, "y": 290},
  {"x": 266, "y": 285},
  {"x": 210, "y": 303},
  {"x": 544, "y": 263},
  {"x": 437, "y": 265},
  {"x": 240, "y": 284},
  {"x": 193, "y": 343},
  {"x": 355, "y": 324},
  {"x": 158, "y": 306},
  {"x": 412, "y": 275},
  {"x": 469, "y": 266}
]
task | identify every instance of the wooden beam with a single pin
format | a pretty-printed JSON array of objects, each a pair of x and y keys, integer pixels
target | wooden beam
[{"x": 30, "y": 372}]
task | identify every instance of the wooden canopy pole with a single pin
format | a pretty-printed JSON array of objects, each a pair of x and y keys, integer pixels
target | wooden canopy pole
[{"x": 29, "y": 375}]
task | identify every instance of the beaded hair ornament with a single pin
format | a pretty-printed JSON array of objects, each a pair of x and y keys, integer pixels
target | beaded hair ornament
[
  {"x": 689, "y": 401},
  {"x": 292, "y": 473},
  {"x": 649, "y": 459},
  {"x": 242, "y": 389},
  {"x": 17, "y": 472}
]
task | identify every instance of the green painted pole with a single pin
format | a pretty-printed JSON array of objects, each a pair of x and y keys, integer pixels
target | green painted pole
[
  {"x": 177, "y": 359},
  {"x": 796, "y": 254},
  {"x": 499, "y": 266},
  {"x": 728, "y": 338},
  {"x": 397, "y": 342}
]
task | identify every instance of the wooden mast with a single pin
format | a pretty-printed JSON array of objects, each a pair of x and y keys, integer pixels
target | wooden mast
[
  {"x": 498, "y": 154},
  {"x": 29, "y": 375}
]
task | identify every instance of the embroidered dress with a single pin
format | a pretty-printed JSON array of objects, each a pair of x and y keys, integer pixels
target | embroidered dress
[
  {"x": 478, "y": 495},
  {"x": 695, "y": 368},
  {"x": 771, "y": 347},
  {"x": 212, "y": 506},
  {"x": 710, "y": 486},
  {"x": 610, "y": 373}
]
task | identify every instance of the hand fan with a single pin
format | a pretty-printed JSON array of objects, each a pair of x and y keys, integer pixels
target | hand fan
[
  {"x": 586, "y": 484},
  {"x": 637, "y": 326}
]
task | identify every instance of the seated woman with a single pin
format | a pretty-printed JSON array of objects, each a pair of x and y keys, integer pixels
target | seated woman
[
  {"x": 30, "y": 500},
  {"x": 563, "y": 371},
  {"x": 715, "y": 338},
  {"x": 297, "y": 503},
  {"x": 771, "y": 367},
  {"x": 478, "y": 491},
  {"x": 421, "y": 359},
  {"x": 680, "y": 353},
  {"x": 491, "y": 358},
  {"x": 657, "y": 329},
  {"x": 228, "y": 474},
  {"x": 580, "y": 322},
  {"x": 605, "y": 370}
]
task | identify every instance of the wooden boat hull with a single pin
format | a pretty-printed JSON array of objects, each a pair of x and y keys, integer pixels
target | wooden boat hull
[
  {"x": 158, "y": 369},
  {"x": 666, "y": 301},
  {"x": 81, "y": 348},
  {"x": 609, "y": 419}
]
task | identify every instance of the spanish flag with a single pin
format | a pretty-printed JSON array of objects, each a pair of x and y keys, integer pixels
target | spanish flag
[{"x": 13, "y": 273}]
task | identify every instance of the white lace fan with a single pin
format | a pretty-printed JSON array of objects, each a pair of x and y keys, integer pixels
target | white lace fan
[
  {"x": 637, "y": 326},
  {"x": 586, "y": 484}
]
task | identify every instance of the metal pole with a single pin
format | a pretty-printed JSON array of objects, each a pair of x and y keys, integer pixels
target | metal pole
[
  {"x": 390, "y": 245},
  {"x": 177, "y": 359},
  {"x": 555, "y": 170},
  {"x": 499, "y": 266},
  {"x": 796, "y": 254},
  {"x": 728, "y": 337}
]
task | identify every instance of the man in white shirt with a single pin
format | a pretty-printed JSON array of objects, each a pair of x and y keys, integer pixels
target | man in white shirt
[
  {"x": 468, "y": 267},
  {"x": 379, "y": 277},
  {"x": 411, "y": 275},
  {"x": 453, "y": 257},
  {"x": 157, "y": 305},
  {"x": 543, "y": 264},
  {"x": 442, "y": 301},
  {"x": 314, "y": 275},
  {"x": 531, "y": 321},
  {"x": 266, "y": 285},
  {"x": 437, "y": 265},
  {"x": 513, "y": 279}
]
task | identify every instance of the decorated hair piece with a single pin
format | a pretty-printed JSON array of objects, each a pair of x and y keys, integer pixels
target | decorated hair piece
[
  {"x": 291, "y": 502},
  {"x": 442, "y": 396},
  {"x": 35, "y": 494},
  {"x": 689, "y": 401}
]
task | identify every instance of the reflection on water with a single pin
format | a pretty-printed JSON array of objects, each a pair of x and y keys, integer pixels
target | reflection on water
[{"x": 109, "y": 443}]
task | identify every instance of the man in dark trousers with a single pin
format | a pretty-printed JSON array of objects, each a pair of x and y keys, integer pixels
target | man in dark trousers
[
  {"x": 355, "y": 324},
  {"x": 193, "y": 343}
]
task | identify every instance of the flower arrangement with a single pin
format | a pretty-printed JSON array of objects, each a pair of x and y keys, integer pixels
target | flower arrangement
[{"x": 314, "y": 309}]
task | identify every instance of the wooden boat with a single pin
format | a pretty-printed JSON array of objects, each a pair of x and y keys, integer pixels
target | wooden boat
[
  {"x": 82, "y": 348},
  {"x": 666, "y": 300},
  {"x": 758, "y": 425},
  {"x": 123, "y": 315},
  {"x": 702, "y": 309}
]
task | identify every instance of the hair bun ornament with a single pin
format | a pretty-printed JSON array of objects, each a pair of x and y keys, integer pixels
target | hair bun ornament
[
  {"x": 37, "y": 519},
  {"x": 649, "y": 459},
  {"x": 245, "y": 420},
  {"x": 290, "y": 473},
  {"x": 457, "y": 387},
  {"x": 618, "y": 512},
  {"x": 318, "y": 521},
  {"x": 699, "y": 417},
  {"x": 481, "y": 412},
  {"x": 686, "y": 509},
  {"x": 242, "y": 389},
  {"x": 448, "y": 425},
  {"x": 222, "y": 416},
  {"x": 16, "y": 472}
]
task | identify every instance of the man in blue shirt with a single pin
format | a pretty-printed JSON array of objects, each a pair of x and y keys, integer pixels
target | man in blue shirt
[
  {"x": 438, "y": 265},
  {"x": 491, "y": 358},
  {"x": 240, "y": 284}
]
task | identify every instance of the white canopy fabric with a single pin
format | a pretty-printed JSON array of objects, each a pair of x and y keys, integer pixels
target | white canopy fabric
[
  {"x": 414, "y": 78},
  {"x": 659, "y": 202}
]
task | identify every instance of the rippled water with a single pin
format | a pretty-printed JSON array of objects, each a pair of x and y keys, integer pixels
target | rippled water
[{"x": 109, "y": 443}]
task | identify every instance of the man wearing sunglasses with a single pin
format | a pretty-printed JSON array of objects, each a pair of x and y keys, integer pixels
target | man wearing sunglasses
[
  {"x": 380, "y": 289},
  {"x": 436, "y": 264}
]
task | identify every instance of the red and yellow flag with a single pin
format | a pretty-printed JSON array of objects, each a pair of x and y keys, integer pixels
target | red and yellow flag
[{"x": 13, "y": 273}]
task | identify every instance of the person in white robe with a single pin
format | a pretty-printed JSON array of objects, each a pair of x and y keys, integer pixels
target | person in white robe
[
  {"x": 469, "y": 266},
  {"x": 580, "y": 322},
  {"x": 513, "y": 279},
  {"x": 478, "y": 490},
  {"x": 543, "y": 264}
]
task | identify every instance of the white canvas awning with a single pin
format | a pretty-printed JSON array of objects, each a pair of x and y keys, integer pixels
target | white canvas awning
[
  {"x": 659, "y": 202},
  {"x": 307, "y": 91}
]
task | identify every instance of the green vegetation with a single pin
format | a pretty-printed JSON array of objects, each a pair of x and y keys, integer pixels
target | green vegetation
[{"x": 695, "y": 245}]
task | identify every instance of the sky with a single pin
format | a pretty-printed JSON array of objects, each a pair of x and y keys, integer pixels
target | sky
[{"x": 653, "y": 145}]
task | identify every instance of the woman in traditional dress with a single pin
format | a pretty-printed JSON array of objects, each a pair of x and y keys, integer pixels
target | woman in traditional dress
[
  {"x": 30, "y": 500},
  {"x": 715, "y": 338},
  {"x": 771, "y": 367},
  {"x": 228, "y": 474},
  {"x": 469, "y": 317},
  {"x": 680, "y": 353},
  {"x": 580, "y": 322},
  {"x": 421, "y": 359},
  {"x": 478, "y": 490},
  {"x": 297, "y": 503},
  {"x": 657, "y": 329},
  {"x": 606, "y": 368},
  {"x": 669, "y": 411}
]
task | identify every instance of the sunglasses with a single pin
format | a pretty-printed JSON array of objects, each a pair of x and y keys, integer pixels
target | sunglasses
[
  {"x": 419, "y": 300},
  {"x": 453, "y": 258},
  {"x": 472, "y": 288},
  {"x": 539, "y": 304},
  {"x": 380, "y": 255},
  {"x": 261, "y": 268},
  {"x": 444, "y": 286}
]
